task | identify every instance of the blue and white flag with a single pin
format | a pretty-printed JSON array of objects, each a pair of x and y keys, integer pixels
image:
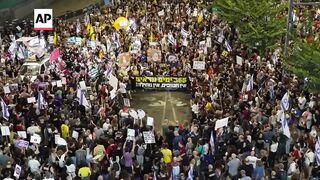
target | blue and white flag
[
  {"x": 171, "y": 39},
  {"x": 155, "y": 175},
  {"x": 250, "y": 84},
  {"x": 212, "y": 143},
  {"x": 284, "y": 125},
  {"x": 317, "y": 151},
  {"x": 82, "y": 99},
  {"x": 285, "y": 102},
  {"x": 190, "y": 173},
  {"x": 5, "y": 110},
  {"x": 40, "y": 101}
]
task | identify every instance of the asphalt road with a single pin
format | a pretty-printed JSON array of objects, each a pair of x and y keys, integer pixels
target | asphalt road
[{"x": 174, "y": 106}]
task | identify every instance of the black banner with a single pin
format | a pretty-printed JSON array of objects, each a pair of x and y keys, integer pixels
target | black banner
[{"x": 152, "y": 82}]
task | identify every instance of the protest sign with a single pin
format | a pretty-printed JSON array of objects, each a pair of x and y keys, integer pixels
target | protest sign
[
  {"x": 199, "y": 65},
  {"x": 61, "y": 142},
  {"x": 22, "y": 134},
  {"x": 31, "y": 100},
  {"x": 126, "y": 102},
  {"x": 23, "y": 144},
  {"x": 173, "y": 60},
  {"x": 221, "y": 123},
  {"x": 124, "y": 59},
  {"x": 239, "y": 60},
  {"x": 133, "y": 114},
  {"x": 141, "y": 113},
  {"x": 150, "y": 121},
  {"x": 149, "y": 137},
  {"x": 17, "y": 171},
  {"x": 154, "y": 55},
  {"x": 131, "y": 134},
  {"x": 59, "y": 83},
  {"x": 83, "y": 85},
  {"x": 35, "y": 139},
  {"x": 5, "y": 131},
  {"x": 153, "y": 82},
  {"x": 6, "y": 89},
  {"x": 75, "y": 134},
  {"x": 113, "y": 81}
]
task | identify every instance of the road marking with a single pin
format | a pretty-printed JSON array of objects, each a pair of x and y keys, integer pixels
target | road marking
[
  {"x": 164, "y": 106},
  {"x": 173, "y": 110}
]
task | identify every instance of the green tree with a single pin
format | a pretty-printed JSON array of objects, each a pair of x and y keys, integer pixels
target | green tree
[
  {"x": 304, "y": 61},
  {"x": 260, "y": 24}
]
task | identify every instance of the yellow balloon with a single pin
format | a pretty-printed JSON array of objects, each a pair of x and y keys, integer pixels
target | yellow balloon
[{"x": 121, "y": 23}]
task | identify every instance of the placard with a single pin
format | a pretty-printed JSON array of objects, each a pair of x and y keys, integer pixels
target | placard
[
  {"x": 17, "y": 171},
  {"x": 75, "y": 134},
  {"x": 239, "y": 60},
  {"x": 150, "y": 121},
  {"x": 6, "y": 89},
  {"x": 126, "y": 102},
  {"x": 59, "y": 83},
  {"x": 35, "y": 139},
  {"x": 64, "y": 80},
  {"x": 23, "y": 144},
  {"x": 22, "y": 134},
  {"x": 5, "y": 131},
  {"x": 161, "y": 13},
  {"x": 154, "y": 55},
  {"x": 133, "y": 114},
  {"x": 141, "y": 113},
  {"x": 149, "y": 137},
  {"x": 199, "y": 65},
  {"x": 221, "y": 123},
  {"x": 131, "y": 134},
  {"x": 56, "y": 137},
  {"x": 83, "y": 85},
  {"x": 31, "y": 100},
  {"x": 60, "y": 141}
]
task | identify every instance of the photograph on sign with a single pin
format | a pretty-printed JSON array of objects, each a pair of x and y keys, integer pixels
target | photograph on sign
[{"x": 154, "y": 55}]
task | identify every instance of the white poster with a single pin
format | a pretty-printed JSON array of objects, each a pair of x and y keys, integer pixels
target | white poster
[
  {"x": 31, "y": 100},
  {"x": 149, "y": 137},
  {"x": 113, "y": 81},
  {"x": 141, "y": 113},
  {"x": 22, "y": 134},
  {"x": 6, "y": 89},
  {"x": 199, "y": 65},
  {"x": 5, "y": 131},
  {"x": 75, "y": 134},
  {"x": 83, "y": 85},
  {"x": 35, "y": 139},
  {"x": 59, "y": 83},
  {"x": 131, "y": 134},
  {"x": 221, "y": 123},
  {"x": 60, "y": 141},
  {"x": 126, "y": 102},
  {"x": 239, "y": 60},
  {"x": 150, "y": 121}
]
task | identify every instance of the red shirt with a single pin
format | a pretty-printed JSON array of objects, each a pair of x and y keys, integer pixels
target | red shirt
[{"x": 110, "y": 149}]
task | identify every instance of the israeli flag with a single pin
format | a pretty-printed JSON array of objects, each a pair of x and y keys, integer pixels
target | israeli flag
[
  {"x": 40, "y": 101},
  {"x": 82, "y": 99},
  {"x": 250, "y": 84},
  {"x": 285, "y": 102},
  {"x": 284, "y": 126},
  {"x": 212, "y": 143},
  {"x": 317, "y": 151},
  {"x": 171, "y": 39},
  {"x": 5, "y": 110},
  {"x": 190, "y": 173}
]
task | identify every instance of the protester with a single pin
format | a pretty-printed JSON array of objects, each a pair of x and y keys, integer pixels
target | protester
[{"x": 79, "y": 128}]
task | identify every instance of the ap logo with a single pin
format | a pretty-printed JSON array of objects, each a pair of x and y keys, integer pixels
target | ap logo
[{"x": 43, "y": 19}]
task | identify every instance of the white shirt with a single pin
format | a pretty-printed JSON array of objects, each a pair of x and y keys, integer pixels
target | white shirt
[
  {"x": 122, "y": 88},
  {"x": 274, "y": 147},
  {"x": 309, "y": 158},
  {"x": 34, "y": 165},
  {"x": 33, "y": 129},
  {"x": 253, "y": 161},
  {"x": 292, "y": 168}
]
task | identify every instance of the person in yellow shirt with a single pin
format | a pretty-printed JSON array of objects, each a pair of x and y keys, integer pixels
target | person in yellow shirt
[
  {"x": 65, "y": 129},
  {"x": 167, "y": 153},
  {"x": 84, "y": 172}
]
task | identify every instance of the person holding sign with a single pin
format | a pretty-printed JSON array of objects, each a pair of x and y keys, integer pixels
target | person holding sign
[{"x": 128, "y": 154}]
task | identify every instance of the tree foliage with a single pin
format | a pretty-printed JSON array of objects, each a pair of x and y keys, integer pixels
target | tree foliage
[
  {"x": 304, "y": 61},
  {"x": 260, "y": 23}
]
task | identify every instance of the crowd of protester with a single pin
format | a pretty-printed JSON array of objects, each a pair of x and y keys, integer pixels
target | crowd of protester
[{"x": 238, "y": 82}]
